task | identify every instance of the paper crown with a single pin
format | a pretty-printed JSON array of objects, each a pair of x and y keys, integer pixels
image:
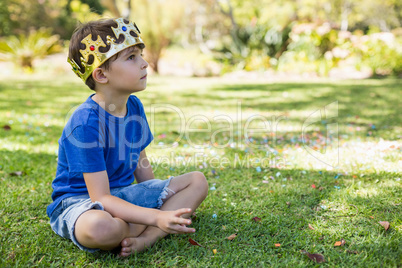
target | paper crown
[{"x": 92, "y": 47}]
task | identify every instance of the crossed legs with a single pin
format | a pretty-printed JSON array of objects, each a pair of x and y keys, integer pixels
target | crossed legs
[{"x": 99, "y": 229}]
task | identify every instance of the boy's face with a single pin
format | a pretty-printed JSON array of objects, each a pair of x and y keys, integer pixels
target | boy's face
[{"x": 128, "y": 72}]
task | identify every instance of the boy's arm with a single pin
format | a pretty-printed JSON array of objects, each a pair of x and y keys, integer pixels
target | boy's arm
[
  {"x": 143, "y": 171},
  {"x": 169, "y": 221}
]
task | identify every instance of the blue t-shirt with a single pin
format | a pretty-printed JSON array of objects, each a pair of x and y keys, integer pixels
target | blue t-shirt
[{"x": 94, "y": 140}]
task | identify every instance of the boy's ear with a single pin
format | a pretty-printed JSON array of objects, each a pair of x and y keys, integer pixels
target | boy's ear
[{"x": 99, "y": 76}]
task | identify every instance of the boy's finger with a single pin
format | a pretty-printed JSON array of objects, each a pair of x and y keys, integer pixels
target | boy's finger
[
  {"x": 181, "y": 229},
  {"x": 182, "y": 211},
  {"x": 183, "y": 222}
]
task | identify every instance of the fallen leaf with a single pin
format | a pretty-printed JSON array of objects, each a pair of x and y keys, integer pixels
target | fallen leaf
[
  {"x": 321, "y": 188},
  {"x": 6, "y": 127},
  {"x": 17, "y": 173},
  {"x": 311, "y": 227},
  {"x": 11, "y": 256},
  {"x": 277, "y": 245},
  {"x": 352, "y": 251},
  {"x": 192, "y": 242},
  {"x": 214, "y": 251},
  {"x": 340, "y": 243},
  {"x": 371, "y": 217},
  {"x": 288, "y": 203},
  {"x": 231, "y": 237},
  {"x": 385, "y": 224},
  {"x": 256, "y": 219},
  {"x": 318, "y": 258}
]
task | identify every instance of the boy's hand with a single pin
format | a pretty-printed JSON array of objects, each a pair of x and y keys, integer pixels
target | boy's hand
[{"x": 171, "y": 222}]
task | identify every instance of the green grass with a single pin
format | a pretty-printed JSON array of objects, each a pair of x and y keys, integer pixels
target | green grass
[{"x": 266, "y": 174}]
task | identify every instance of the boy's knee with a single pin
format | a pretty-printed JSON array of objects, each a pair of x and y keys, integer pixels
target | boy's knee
[
  {"x": 195, "y": 180},
  {"x": 100, "y": 229},
  {"x": 200, "y": 182}
]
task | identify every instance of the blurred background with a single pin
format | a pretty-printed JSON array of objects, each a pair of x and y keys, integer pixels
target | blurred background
[{"x": 239, "y": 38}]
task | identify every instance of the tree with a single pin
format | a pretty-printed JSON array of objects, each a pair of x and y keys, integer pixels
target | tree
[
  {"x": 25, "y": 15},
  {"x": 159, "y": 22},
  {"x": 111, "y": 5}
]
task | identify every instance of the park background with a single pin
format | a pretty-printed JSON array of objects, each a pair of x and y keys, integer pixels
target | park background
[
  {"x": 344, "y": 39},
  {"x": 244, "y": 77}
]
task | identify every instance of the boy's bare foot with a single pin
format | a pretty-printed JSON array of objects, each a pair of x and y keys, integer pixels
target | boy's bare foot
[{"x": 132, "y": 244}]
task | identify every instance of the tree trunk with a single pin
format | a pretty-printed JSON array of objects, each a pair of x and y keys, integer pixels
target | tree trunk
[
  {"x": 346, "y": 8},
  {"x": 155, "y": 66},
  {"x": 126, "y": 13},
  {"x": 111, "y": 6}
]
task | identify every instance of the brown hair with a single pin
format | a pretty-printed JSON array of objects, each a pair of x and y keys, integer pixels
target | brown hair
[{"x": 100, "y": 28}]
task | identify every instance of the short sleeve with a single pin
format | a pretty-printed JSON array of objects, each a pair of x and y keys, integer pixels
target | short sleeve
[
  {"x": 84, "y": 150},
  {"x": 146, "y": 134}
]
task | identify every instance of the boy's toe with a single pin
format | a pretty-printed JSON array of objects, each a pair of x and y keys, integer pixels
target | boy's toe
[
  {"x": 126, "y": 242},
  {"x": 126, "y": 250}
]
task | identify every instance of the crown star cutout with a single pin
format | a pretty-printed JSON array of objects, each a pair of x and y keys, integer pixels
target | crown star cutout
[
  {"x": 125, "y": 28},
  {"x": 92, "y": 47}
]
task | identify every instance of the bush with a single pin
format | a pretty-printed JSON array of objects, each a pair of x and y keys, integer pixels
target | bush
[
  {"x": 319, "y": 48},
  {"x": 382, "y": 52},
  {"x": 23, "y": 50},
  {"x": 253, "y": 47}
]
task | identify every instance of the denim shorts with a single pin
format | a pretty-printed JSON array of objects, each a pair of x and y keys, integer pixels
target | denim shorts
[{"x": 149, "y": 194}]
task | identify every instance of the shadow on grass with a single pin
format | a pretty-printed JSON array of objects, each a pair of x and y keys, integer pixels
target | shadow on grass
[
  {"x": 372, "y": 105},
  {"x": 360, "y": 102}
]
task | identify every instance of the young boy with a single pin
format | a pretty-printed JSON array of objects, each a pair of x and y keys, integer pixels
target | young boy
[{"x": 102, "y": 149}]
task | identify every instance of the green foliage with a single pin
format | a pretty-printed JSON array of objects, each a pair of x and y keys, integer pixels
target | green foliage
[
  {"x": 82, "y": 12},
  {"x": 5, "y": 23},
  {"x": 241, "y": 34},
  {"x": 257, "y": 36},
  {"x": 254, "y": 47},
  {"x": 309, "y": 49},
  {"x": 95, "y": 6},
  {"x": 23, "y": 50},
  {"x": 319, "y": 48},
  {"x": 254, "y": 35},
  {"x": 382, "y": 52},
  {"x": 25, "y": 15}
]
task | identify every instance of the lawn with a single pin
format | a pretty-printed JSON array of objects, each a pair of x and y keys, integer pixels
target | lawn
[{"x": 293, "y": 167}]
